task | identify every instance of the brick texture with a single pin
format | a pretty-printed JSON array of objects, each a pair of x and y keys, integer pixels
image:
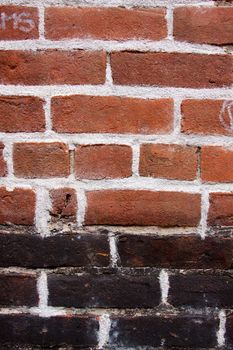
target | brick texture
[
  {"x": 3, "y": 166},
  {"x": 221, "y": 209}
]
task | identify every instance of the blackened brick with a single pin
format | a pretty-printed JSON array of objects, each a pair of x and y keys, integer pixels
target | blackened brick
[
  {"x": 119, "y": 290},
  {"x": 79, "y": 331},
  {"x": 18, "y": 290},
  {"x": 55, "y": 251},
  {"x": 198, "y": 289},
  {"x": 187, "y": 251},
  {"x": 183, "y": 331}
]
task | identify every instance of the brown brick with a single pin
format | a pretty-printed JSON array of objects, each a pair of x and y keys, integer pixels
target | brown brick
[
  {"x": 43, "y": 160},
  {"x": 108, "y": 114},
  {"x": 64, "y": 204},
  {"x": 207, "y": 117},
  {"x": 52, "y": 67},
  {"x": 221, "y": 209},
  {"x": 172, "y": 69},
  {"x": 216, "y": 164},
  {"x": 175, "y": 252},
  {"x": 17, "y": 206},
  {"x": 18, "y": 290},
  {"x": 3, "y": 166},
  {"x": 204, "y": 25},
  {"x": 18, "y": 23},
  {"x": 103, "y": 162},
  {"x": 105, "y": 23},
  {"x": 168, "y": 161},
  {"x": 21, "y": 113},
  {"x": 131, "y": 207}
]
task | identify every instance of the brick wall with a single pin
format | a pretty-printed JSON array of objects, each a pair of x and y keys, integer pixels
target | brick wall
[{"x": 116, "y": 174}]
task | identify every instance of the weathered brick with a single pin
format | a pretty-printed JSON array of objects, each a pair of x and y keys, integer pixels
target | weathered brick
[
  {"x": 131, "y": 207},
  {"x": 180, "y": 252},
  {"x": 17, "y": 206},
  {"x": 172, "y": 69},
  {"x": 168, "y": 161},
  {"x": 206, "y": 117},
  {"x": 105, "y": 23},
  {"x": 204, "y": 25},
  {"x": 174, "y": 330},
  {"x": 216, "y": 164},
  {"x": 220, "y": 209},
  {"x": 103, "y": 162},
  {"x": 27, "y": 329},
  {"x": 3, "y": 166},
  {"x": 64, "y": 204},
  {"x": 201, "y": 289},
  {"x": 18, "y": 23},
  {"x": 105, "y": 289},
  {"x": 108, "y": 114},
  {"x": 52, "y": 67},
  {"x": 27, "y": 250},
  {"x": 21, "y": 113},
  {"x": 18, "y": 290},
  {"x": 43, "y": 160},
  {"x": 229, "y": 331}
]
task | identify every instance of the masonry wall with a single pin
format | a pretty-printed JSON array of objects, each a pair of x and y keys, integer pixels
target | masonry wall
[{"x": 116, "y": 174}]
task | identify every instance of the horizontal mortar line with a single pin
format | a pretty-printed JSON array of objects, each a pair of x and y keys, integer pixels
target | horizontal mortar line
[
  {"x": 118, "y": 139},
  {"x": 109, "y": 3},
  {"x": 165, "y": 45},
  {"x": 145, "y": 92},
  {"x": 133, "y": 183}
]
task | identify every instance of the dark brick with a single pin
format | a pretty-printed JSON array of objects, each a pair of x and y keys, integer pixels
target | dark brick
[
  {"x": 171, "y": 330},
  {"x": 18, "y": 290},
  {"x": 187, "y": 251},
  {"x": 119, "y": 290},
  {"x": 27, "y": 250},
  {"x": 229, "y": 331},
  {"x": 28, "y": 329},
  {"x": 198, "y": 289}
]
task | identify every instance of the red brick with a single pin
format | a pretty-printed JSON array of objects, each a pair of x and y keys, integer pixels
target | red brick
[
  {"x": 221, "y": 209},
  {"x": 131, "y": 207},
  {"x": 105, "y": 23},
  {"x": 32, "y": 160},
  {"x": 103, "y": 162},
  {"x": 172, "y": 69},
  {"x": 207, "y": 25},
  {"x": 3, "y": 166},
  {"x": 17, "y": 206},
  {"x": 18, "y": 23},
  {"x": 207, "y": 117},
  {"x": 108, "y": 114},
  {"x": 52, "y": 67},
  {"x": 64, "y": 204},
  {"x": 168, "y": 161},
  {"x": 216, "y": 164},
  {"x": 21, "y": 113}
]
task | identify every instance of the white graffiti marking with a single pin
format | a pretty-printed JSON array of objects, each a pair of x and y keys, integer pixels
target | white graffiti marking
[
  {"x": 19, "y": 21},
  {"x": 226, "y": 115}
]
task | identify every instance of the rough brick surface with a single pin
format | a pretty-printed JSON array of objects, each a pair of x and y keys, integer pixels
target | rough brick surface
[
  {"x": 221, "y": 209},
  {"x": 17, "y": 206},
  {"x": 168, "y": 161},
  {"x": 93, "y": 114},
  {"x": 216, "y": 164},
  {"x": 64, "y": 204},
  {"x": 41, "y": 160},
  {"x": 204, "y": 24},
  {"x": 18, "y": 23},
  {"x": 52, "y": 67},
  {"x": 3, "y": 166},
  {"x": 105, "y": 23},
  {"x": 21, "y": 113},
  {"x": 172, "y": 69},
  {"x": 125, "y": 207},
  {"x": 207, "y": 117},
  {"x": 103, "y": 162},
  {"x": 18, "y": 290}
]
